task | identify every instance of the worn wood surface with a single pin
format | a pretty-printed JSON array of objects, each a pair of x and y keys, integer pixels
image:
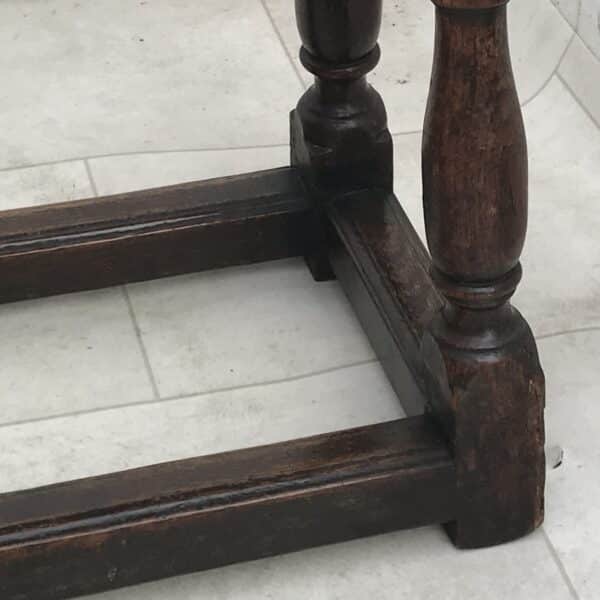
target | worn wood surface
[
  {"x": 383, "y": 267},
  {"x": 443, "y": 327},
  {"x": 125, "y": 528},
  {"x": 154, "y": 233},
  {"x": 487, "y": 386},
  {"x": 340, "y": 139}
]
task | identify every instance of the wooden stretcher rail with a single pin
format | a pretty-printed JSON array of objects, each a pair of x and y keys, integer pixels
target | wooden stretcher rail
[
  {"x": 384, "y": 269},
  {"x": 100, "y": 242},
  {"x": 125, "y": 528}
]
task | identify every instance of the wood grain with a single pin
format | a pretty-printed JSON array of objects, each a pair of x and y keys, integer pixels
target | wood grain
[
  {"x": 384, "y": 269},
  {"x": 100, "y": 242},
  {"x": 487, "y": 386},
  {"x": 125, "y": 528},
  {"x": 339, "y": 131}
]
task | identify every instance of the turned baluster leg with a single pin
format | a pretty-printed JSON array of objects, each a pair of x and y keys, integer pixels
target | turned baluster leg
[
  {"x": 491, "y": 393},
  {"x": 339, "y": 132}
]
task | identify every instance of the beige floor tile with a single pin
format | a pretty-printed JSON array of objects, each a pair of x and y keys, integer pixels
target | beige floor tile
[
  {"x": 90, "y": 78},
  {"x": 573, "y": 492},
  {"x": 44, "y": 185},
  {"x": 580, "y": 70},
  {"x": 569, "y": 10},
  {"x": 561, "y": 286},
  {"x": 69, "y": 353},
  {"x": 116, "y": 174},
  {"x": 589, "y": 25},
  {"x": 245, "y": 325}
]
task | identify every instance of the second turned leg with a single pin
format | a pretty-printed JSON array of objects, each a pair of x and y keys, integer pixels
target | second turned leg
[
  {"x": 489, "y": 391},
  {"x": 339, "y": 129}
]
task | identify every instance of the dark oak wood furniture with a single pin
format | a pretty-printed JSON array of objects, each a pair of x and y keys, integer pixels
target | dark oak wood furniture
[{"x": 461, "y": 359}]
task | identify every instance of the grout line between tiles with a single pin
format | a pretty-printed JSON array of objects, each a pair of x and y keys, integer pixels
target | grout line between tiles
[
  {"x": 554, "y": 72},
  {"x": 573, "y": 28},
  {"x": 559, "y": 564},
  {"x": 191, "y": 394},
  {"x": 576, "y": 29},
  {"x": 405, "y": 133},
  {"x": 556, "y": 334},
  {"x": 142, "y": 346},
  {"x": 303, "y": 85},
  {"x": 88, "y": 158},
  {"x": 282, "y": 145},
  {"x": 276, "y": 381},
  {"x": 562, "y": 56},
  {"x": 564, "y": 18},
  {"x": 91, "y": 157},
  {"x": 588, "y": 47},
  {"x": 240, "y": 387},
  {"x": 127, "y": 298},
  {"x": 91, "y": 179},
  {"x": 577, "y": 100},
  {"x": 61, "y": 161}
]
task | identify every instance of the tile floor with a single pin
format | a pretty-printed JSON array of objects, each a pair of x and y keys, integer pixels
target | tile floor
[{"x": 108, "y": 96}]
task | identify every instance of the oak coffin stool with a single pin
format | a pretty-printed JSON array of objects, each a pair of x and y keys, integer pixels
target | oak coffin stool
[{"x": 461, "y": 359}]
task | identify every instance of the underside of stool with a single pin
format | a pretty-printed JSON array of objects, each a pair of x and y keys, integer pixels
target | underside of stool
[{"x": 461, "y": 359}]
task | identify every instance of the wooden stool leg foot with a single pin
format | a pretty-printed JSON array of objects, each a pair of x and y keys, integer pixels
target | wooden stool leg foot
[
  {"x": 494, "y": 413},
  {"x": 489, "y": 393}
]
